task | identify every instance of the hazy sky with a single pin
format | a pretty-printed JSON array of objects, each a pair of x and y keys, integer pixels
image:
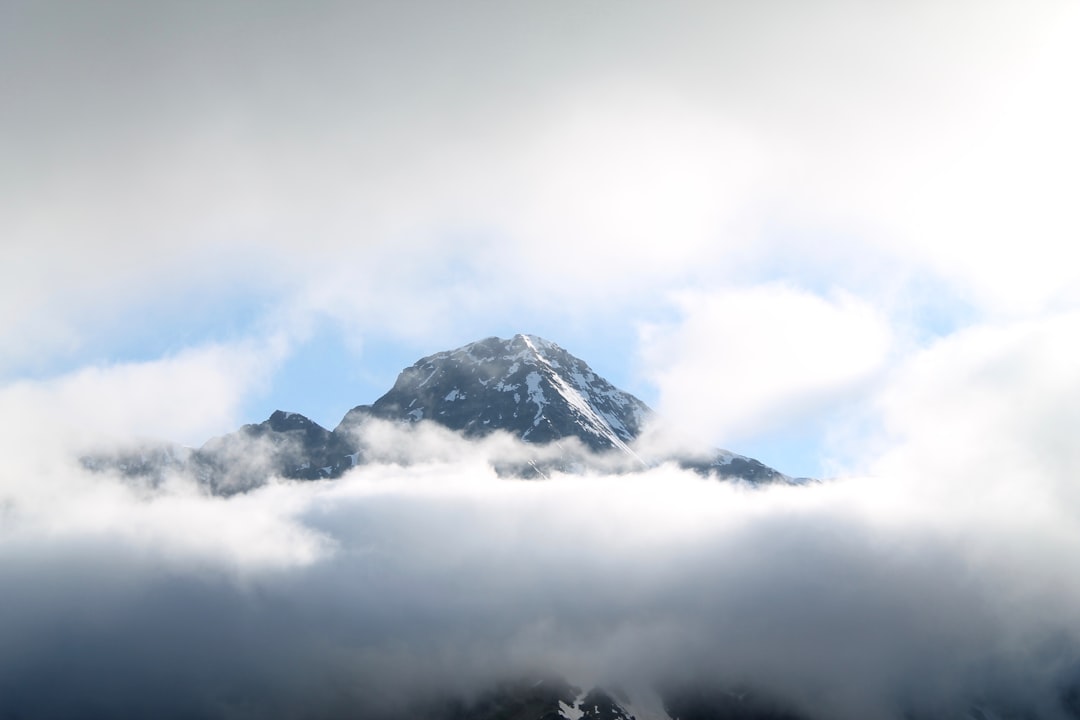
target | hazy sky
[{"x": 836, "y": 236}]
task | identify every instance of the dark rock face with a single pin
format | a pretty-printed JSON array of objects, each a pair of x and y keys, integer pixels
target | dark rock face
[{"x": 526, "y": 386}]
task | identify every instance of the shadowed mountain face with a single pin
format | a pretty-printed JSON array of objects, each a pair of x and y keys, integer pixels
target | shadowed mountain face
[{"x": 525, "y": 386}]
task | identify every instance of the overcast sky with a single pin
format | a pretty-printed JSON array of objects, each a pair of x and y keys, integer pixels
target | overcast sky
[
  {"x": 835, "y": 236},
  {"x": 751, "y": 215}
]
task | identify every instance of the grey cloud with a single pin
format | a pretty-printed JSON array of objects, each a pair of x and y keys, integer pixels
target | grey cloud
[{"x": 441, "y": 577}]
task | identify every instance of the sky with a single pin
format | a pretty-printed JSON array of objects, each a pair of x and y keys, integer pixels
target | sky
[
  {"x": 752, "y": 217},
  {"x": 834, "y": 236}
]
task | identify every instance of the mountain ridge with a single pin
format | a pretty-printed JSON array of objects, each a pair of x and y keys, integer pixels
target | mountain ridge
[{"x": 526, "y": 386}]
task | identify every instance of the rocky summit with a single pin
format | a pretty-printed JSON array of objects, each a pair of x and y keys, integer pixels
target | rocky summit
[{"x": 526, "y": 386}]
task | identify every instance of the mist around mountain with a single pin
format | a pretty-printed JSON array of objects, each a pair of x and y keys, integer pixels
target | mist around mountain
[{"x": 398, "y": 566}]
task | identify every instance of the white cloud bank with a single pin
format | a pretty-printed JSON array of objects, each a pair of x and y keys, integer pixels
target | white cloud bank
[
  {"x": 738, "y": 362},
  {"x": 182, "y": 397},
  {"x": 303, "y": 599}
]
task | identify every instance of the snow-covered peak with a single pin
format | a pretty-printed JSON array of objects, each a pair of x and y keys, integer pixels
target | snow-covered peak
[
  {"x": 521, "y": 347},
  {"x": 537, "y": 344},
  {"x": 525, "y": 385}
]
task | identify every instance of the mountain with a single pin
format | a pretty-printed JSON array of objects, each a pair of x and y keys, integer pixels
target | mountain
[
  {"x": 540, "y": 393},
  {"x": 525, "y": 386}
]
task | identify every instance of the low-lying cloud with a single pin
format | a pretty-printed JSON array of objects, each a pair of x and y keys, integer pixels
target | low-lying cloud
[{"x": 428, "y": 572}]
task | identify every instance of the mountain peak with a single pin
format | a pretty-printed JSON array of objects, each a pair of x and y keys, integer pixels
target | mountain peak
[
  {"x": 525, "y": 385},
  {"x": 518, "y": 347},
  {"x": 535, "y": 343},
  {"x": 283, "y": 421}
]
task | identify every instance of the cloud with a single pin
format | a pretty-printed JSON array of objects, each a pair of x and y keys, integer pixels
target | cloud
[
  {"x": 628, "y": 188},
  {"x": 425, "y": 572},
  {"x": 738, "y": 362},
  {"x": 340, "y": 159},
  {"x": 991, "y": 402},
  {"x": 441, "y": 576},
  {"x": 182, "y": 397}
]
